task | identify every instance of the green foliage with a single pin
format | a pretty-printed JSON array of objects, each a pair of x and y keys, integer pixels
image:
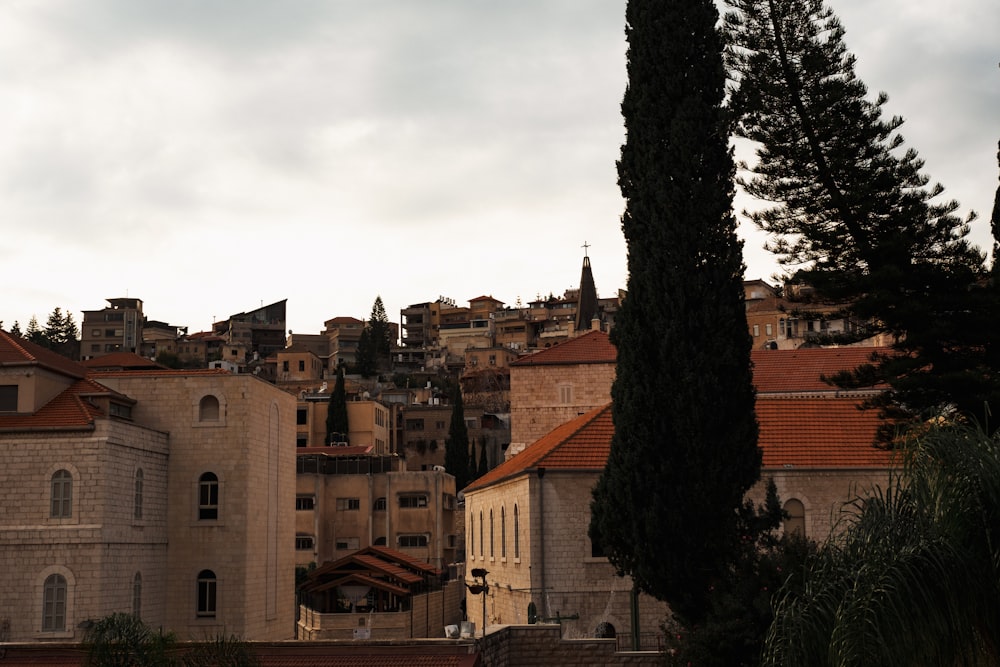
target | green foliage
[
  {"x": 473, "y": 467},
  {"x": 739, "y": 604},
  {"x": 337, "y": 427},
  {"x": 484, "y": 466},
  {"x": 223, "y": 651},
  {"x": 375, "y": 342},
  {"x": 169, "y": 359},
  {"x": 16, "y": 329},
  {"x": 456, "y": 446},
  {"x": 913, "y": 575},
  {"x": 123, "y": 640},
  {"x": 684, "y": 451},
  {"x": 852, "y": 208}
]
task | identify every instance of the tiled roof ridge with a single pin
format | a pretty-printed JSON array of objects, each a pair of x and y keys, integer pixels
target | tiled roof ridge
[
  {"x": 157, "y": 372},
  {"x": 14, "y": 350},
  {"x": 539, "y": 449},
  {"x": 554, "y": 355}
]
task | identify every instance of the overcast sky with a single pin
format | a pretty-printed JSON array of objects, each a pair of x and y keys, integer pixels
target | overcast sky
[{"x": 210, "y": 157}]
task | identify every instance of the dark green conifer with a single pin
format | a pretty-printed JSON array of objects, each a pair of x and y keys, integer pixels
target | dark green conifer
[
  {"x": 456, "y": 446},
  {"x": 684, "y": 451},
  {"x": 337, "y": 427}
]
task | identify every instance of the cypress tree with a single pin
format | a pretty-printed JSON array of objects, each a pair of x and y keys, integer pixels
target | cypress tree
[
  {"x": 473, "y": 467},
  {"x": 684, "y": 451},
  {"x": 484, "y": 462},
  {"x": 456, "y": 446},
  {"x": 337, "y": 428}
]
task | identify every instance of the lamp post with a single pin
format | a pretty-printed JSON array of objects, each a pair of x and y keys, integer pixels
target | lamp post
[{"x": 480, "y": 588}]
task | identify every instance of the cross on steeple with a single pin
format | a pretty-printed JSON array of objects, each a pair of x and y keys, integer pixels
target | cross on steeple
[{"x": 585, "y": 246}]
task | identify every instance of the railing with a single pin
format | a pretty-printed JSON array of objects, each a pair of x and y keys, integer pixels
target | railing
[{"x": 648, "y": 641}]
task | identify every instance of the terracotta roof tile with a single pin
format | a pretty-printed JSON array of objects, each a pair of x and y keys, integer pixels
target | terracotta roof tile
[
  {"x": 581, "y": 443},
  {"x": 826, "y": 432},
  {"x": 818, "y": 433},
  {"x": 17, "y": 351},
  {"x": 69, "y": 410},
  {"x": 593, "y": 347},
  {"x": 158, "y": 372},
  {"x": 777, "y": 371},
  {"x": 119, "y": 361}
]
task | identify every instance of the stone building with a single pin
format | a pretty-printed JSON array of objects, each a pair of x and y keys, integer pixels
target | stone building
[
  {"x": 527, "y": 520},
  {"x": 169, "y": 494},
  {"x": 559, "y": 383}
]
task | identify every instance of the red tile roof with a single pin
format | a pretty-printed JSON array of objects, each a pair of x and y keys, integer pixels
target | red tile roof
[
  {"x": 16, "y": 351},
  {"x": 581, "y": 443},
  {"x": 120, "y": 361},
  {"x": 158, "y": 372},
  {"x": 818, "y": 433},
  {"x": 784, "y": 371},
  {"x": 593, "y": 347},
  {"x": 794, "y": 432},
  {"x": 68, "y": 411}
]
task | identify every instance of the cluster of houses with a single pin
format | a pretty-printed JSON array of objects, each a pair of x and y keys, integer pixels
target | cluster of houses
[{"x": 212, "y": 501}]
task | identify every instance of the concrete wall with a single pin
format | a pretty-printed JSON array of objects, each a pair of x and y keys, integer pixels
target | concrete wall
[{"x": 543, "y": 645}]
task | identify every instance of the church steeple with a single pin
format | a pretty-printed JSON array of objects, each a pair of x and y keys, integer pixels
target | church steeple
[{"x": 586, "y": 307}]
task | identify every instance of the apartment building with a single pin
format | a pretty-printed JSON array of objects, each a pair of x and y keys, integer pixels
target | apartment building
[{"x": 115, "y": 328}]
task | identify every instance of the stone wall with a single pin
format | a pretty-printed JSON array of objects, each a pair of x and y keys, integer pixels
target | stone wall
[
  {"x": 543, "y": 645},
  {"x": 546, "y": 396}
]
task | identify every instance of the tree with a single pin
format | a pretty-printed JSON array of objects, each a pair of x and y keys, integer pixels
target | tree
[
  {"x": 34, "y": 332},
  {"x": 123, "y": 640},
  {"x": 366, "y": 360},
  {"x": 853, "y": 209},
  {"x": 375, "y": 341},
  {"x": 684, "y": 451},
  {"x": 16, "y": 329},
  {"x": 337, "y": 428},
  {"x": 912, "y": 577},
  {"x": 456, "y": 446},
  {"x": 473, "y": 468},
  {"x": 484, "y": 465}
]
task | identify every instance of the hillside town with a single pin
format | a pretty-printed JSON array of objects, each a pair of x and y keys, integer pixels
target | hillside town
[{"x": 192, "y": 496}]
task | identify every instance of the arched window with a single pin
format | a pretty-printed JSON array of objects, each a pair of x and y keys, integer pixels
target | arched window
[
  {"x": 482, "y": 551},
  {"x": 62, "y": 495},
  {"x": 472, "y": 535},
  {"x": 795, "y": 524},
  {"x": 379, "y": 541},
  {"x": 503, "y": 532},
  {"x": 206, "y": 594},
  {"x": 208, "y": 496},
  {"x": 137, "y": 504},
  {"x": 54, "y": 603},
  {"x": 517, "y": 534},
  {"x": 491, "y": 533},
  {"x": 208, "y": 409},
  {"x": 137, "y": 595}
]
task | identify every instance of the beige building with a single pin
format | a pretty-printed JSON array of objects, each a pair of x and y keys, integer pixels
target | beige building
[
  {"x": 551, "y": 387},
  {"x": 116, "y": 328},
  {"x": 351, "y": 500},
  {"x": 527, "y": 520},
  {"x": 164, "y": 493}
]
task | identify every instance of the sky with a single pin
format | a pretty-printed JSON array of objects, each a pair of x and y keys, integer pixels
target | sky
[{"x": 212, "y": 157}]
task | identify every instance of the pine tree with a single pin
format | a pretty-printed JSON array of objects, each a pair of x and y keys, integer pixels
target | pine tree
[
  {"x": 855, "y": 210},
  {"x": 684, "y": 451},
  {"x": 366, "y": 354},
  {"x": 456, "y": 446},
  {"x": 16, "y": 329},
  {"x": 337, "y": 428},
  {"x": 381, "y": 332},
  {"x": 34, "y": 332}
]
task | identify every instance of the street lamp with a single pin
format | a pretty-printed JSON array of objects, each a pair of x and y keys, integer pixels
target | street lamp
[{"x": 480, "y": 588}]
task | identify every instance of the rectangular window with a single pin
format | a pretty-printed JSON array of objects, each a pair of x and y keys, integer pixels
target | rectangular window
[
  {"x": 768, "y": 330},
  {"x": 412, "y": 501},
  {"x": 95, "y": 333},
  {"x": 439, "y": 424},
  {"x": 301, "y": 415},
  {"x": 348, "y": 504},
  {"x": 305, "y": 503},
  {"x": 303, "y": 542},
  {"x": 62, "y": 495},
  {"x": 413, "y": 540},
  {"x": 379, "y": 505},
  {"x": 206, "y": 594},
  {"x": 284, "y": 366},
  {"x": 302, "y": 365},
  {"x": 756, "y": 330},
  {"x": 414, "y": 424},
  {"x": 301, "y": 440},
  {"x": 8, "y": 398},
  {"x": 347, "y": 543},
  {"x": 565, "y": 393}
]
